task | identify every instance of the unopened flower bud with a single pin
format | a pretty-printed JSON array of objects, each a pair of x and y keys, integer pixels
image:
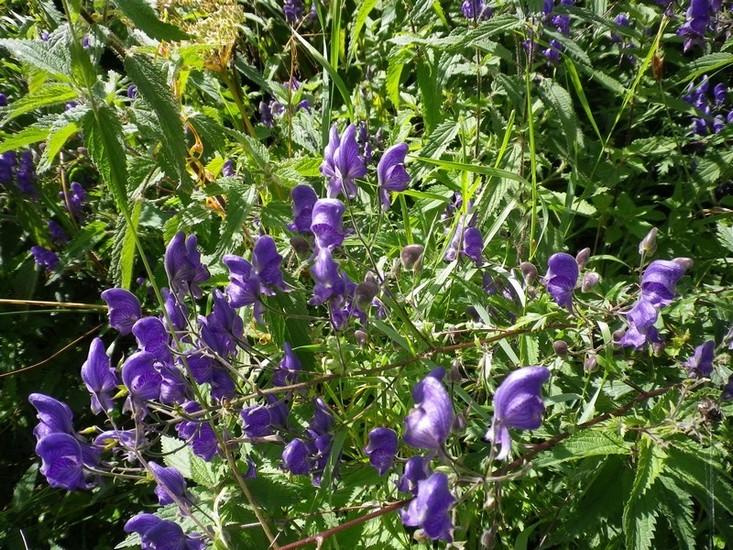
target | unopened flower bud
[
  {"x": 658, "y": 348},
  {"x": 618, "y": 334},
  {"x": 560, "y": 347},
  {"x": 300, "y": 246},
  {"x": 591, "y": 363},
  {"x": 581, "y": 258},
  {"x": 684, "y": 263},
  {"x": 370, "y": 277},
  {"x": 488, "y": 539},
  {"x": 648, "y": 244},
  {"x": 589, "y": 281},
  {"x": 411, "y": 256},
  {"x": 361, "y": 338},
  {"x": 529, "y": 272},
  {"x": 364, "y": 294},
  {"x": 454, "y": 374},
  {"x": 473, "y": 314}
]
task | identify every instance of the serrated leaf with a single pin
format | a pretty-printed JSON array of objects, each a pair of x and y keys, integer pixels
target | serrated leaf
[
  {"x": 104, "y": 140},
  {"x": 177, "y": 454},
  {"x": 695, "y": 471},
  {"x": 427, "y": 81},
  {"x": 126, "y": 258},
  {"x": 725, "y": 236},
  {"x": 240, "y": 199},
  {"x": 27, "y": 136},
  {"x": 559, "y": 101},
  {"x": 42, "y": 55},
  {"x": 640, "y": 522},
  {"x": 144, "y": 17},
  {"x": 584, "y": 444},
  {"x": 55, "y": 141},
  {"x": 677, "y": 507},
  {"x": 362, "y": 13},
  {"x": 308, "y": 167},
  {"x": 153, "y": 87},
  {"x": 396, "y": 62},
  {"x": 51, "y": 94}
]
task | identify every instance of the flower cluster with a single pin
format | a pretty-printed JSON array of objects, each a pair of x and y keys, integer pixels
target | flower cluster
[
  {"x": 658, "y": 284},
  {"x": 697, "y": 20},
  {"x": 476, "y": 10},
  {"x": 466, "y": 239},
  {"x": 712, "y": 117}
]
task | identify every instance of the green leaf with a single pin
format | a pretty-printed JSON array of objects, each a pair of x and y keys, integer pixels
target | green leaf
[
  {"x": 104, "y": 140},
  {"x": 677, "y": 506},
  {"x": 559, "y": 101},
  {"x": 177, "y": 454},
  {"x": 695, "y": 470},
  {"x": 141, "y": 13},
  {"x": 153, "y": 87},
  {"x": 27, "y": 136},
  {"x": 427, "y": 81},
  {"x": 640, "y": 521},
  {"x": 462, "y": 167},
  {"x": 725, "y": 236},
  {"x": 584, "y": 444},
  {"x": 55, "y": 141},
  {"x": 706, "y": 64},
  {"x": 337, "y": 80},
  {"x": 123, "y": 255},
  {"x": 42, "y": 55},
  {"x": 396, "y": 62},
  {"x": 48, "y": 95},
  {"x": 362, "y": 13}
]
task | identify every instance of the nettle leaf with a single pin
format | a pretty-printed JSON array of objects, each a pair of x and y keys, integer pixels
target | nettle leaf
[
  {"x": 559, "y": 101},
  {"x": 51, "y": 94},
  {"x": 59, "y": 134},
  {"x": 27, "y": 136},
  {"x": 640, "y": 521},
  {"x": 104, "y": 139},
  {"x": 153, "y": 87},
  {"x": 725, "y": 236},
  {"x": 42, "y": 55},
  {"x": 585, "y": 444},
  {"x": 240, "y": 199},
  {"x": 177, "y": 454},
  {"x": 397, "y": 59},
  {"x": 695, "y": 469},
  {"x": 361, "y": 16},
  {"x": 123, "y": 251},
  {"x": 141, "y": 13},
  {"x": 427, "y": 81},
  {"x": 677, "y": 506}
]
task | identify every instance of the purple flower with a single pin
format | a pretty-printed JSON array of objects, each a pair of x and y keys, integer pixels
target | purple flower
[
  {"x": 176, "y": 310},
  {"x": 473, "y": 244},
  {"x": 26, "y": 175},
  {"x": 517, "y": 404},
  {"x": 287, "y": 371},
  {"x": 244, "y": 284},
  {"x": 99, "y": 377},
  {"x": 382, "y": 449},
  {"x": 293, "y": 10},
  {"x": 698, "y": 18},
  {"x": 475, "y": 9},
  {"x": 160, "y": 534},
  {"x": 45, "y": 258},
  {"x": 124, "y": 309},
  {"x": 720, "y": 92},
  {"x": 266, "y": 262},
  {"x": 552, "y": 53},
  {"x": 728, "y": 389},
  {"x": 125, "y": 440},
  {"x": 223, "y": 328},
  {"x": 132, "y": 91},
  {"x": 62, "y": 461},
  {"x": 257, "y": 421},
  {"x": 428, "y": 425},
  {"x": 295, "y": 458},
  {"x": 54, "y": 416},
  {"x": 141, "y": 378},
  {"x": 659, "y": 280},
  {"x": 304, "y": 198},
  {"x": 322, "y": 420},
  {"x": 266, "y": 115},
  {"x": 342, "y": 163},
  {"x": 391, "y": 173},
  {"x": 326, "y": 223},
  {"x": 7, "y": 167},
  {"x": 429, "y": 509},
  {"x": 183, "y": 265},
  {"x": 152, "y": 337},
  {"x": 3, "y": 100},
  {"x": 327, "y": 276},
  {"x": 641, "y": 330},
  {"x": 171, "y": 485},
  {"x": 561, "y": 277},
  {"x": 227, "y": 169},
  {"x": 75, "y": 200},
  {"x": 701, "y": 363},
  {"x": 198, "y": 433},
  {"x": 58, "y": 235},
  {"x": 417, "y": 468}
]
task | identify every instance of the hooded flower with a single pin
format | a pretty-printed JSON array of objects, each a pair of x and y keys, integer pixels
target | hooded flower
[
  {"x": 99, "y": 377},
  {"x": 295, "y": 458},
  {"x": 161, "y": 534},
  {"x": 257, "y": 421},
  {"x": 287, "y": 371},
  {"x": 44, "y": 257},
  {"x": 561, "y": 277},
  {"x": 517, "y": 404},
  {"x": 428, "y": 425},
  {"x": 266, "y": 262},
  {"x": 53, "y": 415},
  {"x": 701, "y": 362},
  {"x": 124, "y": 309},
  {"x": 152, "y": 337},
  {"x": 63, "y": 461},
  {"x": 659, "y": 281},
  {"x": 170, "y": 484},
  {"x": 327, "y": 276},
  {"x": 382, "y": 449},
  {"x": 326, "y": 223},
  {"x": 417, "y": 468},
  {"x": 342, "y": 163},
  {"x": 304, "y": 198},
  {"x": 183, "y": 265},
  {"x": 429, "y": 510},
  {"x": 391, "y": 173},
  {"x": 199, "y": 433},
  {"x": 141, "y": 378}
]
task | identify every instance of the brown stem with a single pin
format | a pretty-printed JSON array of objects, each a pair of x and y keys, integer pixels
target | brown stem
[{"x": 318, "y": 539}]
